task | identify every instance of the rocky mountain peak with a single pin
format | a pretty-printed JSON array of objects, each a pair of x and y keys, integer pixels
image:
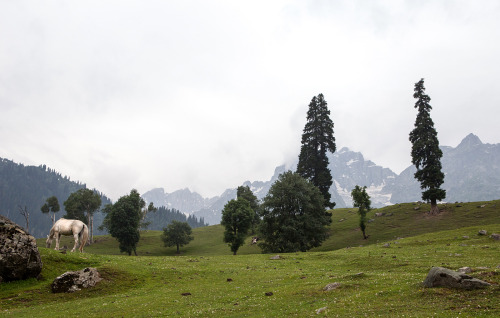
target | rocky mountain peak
[{"x": 470, "y": 141}]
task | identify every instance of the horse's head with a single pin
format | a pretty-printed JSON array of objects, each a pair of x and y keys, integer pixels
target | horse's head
[{"x": 48, "y": 242}]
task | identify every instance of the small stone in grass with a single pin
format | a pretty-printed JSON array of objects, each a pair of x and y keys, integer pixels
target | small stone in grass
[{"x": 319, "y": 311}]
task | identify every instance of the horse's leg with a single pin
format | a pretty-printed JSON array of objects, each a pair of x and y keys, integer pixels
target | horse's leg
[
  {"x": 58, "y": 237},
  {"x": 75, "y": 235}
]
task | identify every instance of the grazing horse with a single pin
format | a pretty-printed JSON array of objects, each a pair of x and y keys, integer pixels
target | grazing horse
[{"x": 69, "y": 227}]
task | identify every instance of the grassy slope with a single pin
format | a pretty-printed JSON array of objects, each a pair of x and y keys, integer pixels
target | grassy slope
[
  {"x": 400, "y": 220},
  {"x": 388, "y": 286}
]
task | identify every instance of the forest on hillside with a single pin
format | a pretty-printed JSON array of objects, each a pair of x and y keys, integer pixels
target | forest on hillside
[
  {"x": 28, "y": 187},
  {"x": 164, "y": 216}
]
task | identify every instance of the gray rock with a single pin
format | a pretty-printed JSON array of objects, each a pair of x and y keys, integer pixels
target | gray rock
[
  {"x": 465, "y": 270},
  {"x": 495, "y": 236},
  {"x": 332, "y": 286},
  {"x": 482, "y": 232},
  {"x": 276, "y": 257},
  {"x": 73, "y": 281},
  {"x": 19, "y": 256},
  {"x": 444, "y": 277}
]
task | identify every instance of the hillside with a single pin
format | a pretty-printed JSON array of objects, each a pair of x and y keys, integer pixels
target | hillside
[
  {"x": 29, "y": 186},
  {"x": 402, "y": 220},
  {"x": 374, "y": 281}
]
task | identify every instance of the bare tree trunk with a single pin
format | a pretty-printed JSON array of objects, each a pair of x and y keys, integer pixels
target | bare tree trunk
[
  {"x": 92, "y": 228},
  {"x": 24, "y": 212},
  {"x": 434, "y": 208},
  {"x": 91, "y": 238}
]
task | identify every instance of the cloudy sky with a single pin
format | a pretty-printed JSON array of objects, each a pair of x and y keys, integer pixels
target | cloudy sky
[{"x": 209, "y": 94}]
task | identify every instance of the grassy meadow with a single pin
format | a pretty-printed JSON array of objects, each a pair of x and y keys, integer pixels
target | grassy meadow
[{"x": 207, "y": 281}]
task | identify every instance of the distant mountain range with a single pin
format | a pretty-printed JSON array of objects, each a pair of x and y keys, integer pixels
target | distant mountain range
[{"x": 472, "y": 173}]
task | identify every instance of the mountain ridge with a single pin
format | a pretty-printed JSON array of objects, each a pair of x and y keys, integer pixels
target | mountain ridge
[{"x": 466, "y": 170}]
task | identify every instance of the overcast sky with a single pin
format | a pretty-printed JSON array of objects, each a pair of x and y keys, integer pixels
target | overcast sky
[{"x": 209, "y": 94}]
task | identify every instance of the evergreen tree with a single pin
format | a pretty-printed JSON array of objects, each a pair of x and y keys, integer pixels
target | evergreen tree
[
  {"x": 361, "y": 200},
  {"x": 82, "y": 205},
  {"x": 51, "y": 205},
  {"x": 317, "y": 141},
  {"x": 177, "y": 234},
  {"x": 293, "y": 216},
  {"x": 237, "y": 217},
  {"x": 244, "y": 192},
  {"x": 425, "y": 152},
  {"x": 123, "y": 220}
]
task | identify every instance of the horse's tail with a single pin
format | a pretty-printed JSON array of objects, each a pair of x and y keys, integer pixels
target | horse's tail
[{"x": 84, "y": 236}]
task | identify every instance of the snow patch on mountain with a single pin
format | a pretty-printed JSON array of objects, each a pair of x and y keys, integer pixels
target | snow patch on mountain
[{"x": 472, "y": 172}]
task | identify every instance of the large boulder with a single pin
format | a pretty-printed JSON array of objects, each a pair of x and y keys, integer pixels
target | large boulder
[
  {"x": 444, "y": 277},
  {"x": 19, "y": 256},
  {"x": 73, "y": 281}
]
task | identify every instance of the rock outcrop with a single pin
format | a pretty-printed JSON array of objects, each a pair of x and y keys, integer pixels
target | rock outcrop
[
  {"x": 19, "y": 256},
  {"x": 73, "y": 281},
  {"x": 444, "y": 277}
]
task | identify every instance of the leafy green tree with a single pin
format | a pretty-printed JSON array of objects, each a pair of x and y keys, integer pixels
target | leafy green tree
[
  {"x": 361, "y": 200},
  {"x": 293, "y": 216},
  {"x": 177, "y": 234},
  {"x": 82, "y": 205},
  {"x": 425, "y": 152},
  {"x": 123, "y": 219},
  {"x": 317, "y": 141},
  {"x": 237, "y": 217},
  {"x": 244, "y": 192},
  {"x": 51, "y": 205}
]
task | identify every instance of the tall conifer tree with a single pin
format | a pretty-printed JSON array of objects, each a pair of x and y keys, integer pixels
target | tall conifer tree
[
  {"x": 425, "y": 152},
  {"x": 317, "y": 141}
]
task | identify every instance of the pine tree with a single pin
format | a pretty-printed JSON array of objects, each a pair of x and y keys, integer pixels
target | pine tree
[
  {"x": 425, "y": 152},
  {"x": 317, "y": 141}
]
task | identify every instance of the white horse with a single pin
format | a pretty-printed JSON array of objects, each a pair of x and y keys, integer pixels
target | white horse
[{"x": 69, "y": 227}]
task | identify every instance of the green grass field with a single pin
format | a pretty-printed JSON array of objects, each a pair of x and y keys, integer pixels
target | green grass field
[{"x": 375, "y": 280}]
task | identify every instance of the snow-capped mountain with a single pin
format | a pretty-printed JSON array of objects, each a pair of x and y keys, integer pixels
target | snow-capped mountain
[
  {"x": 183, "y": 200},
  {"x": 348, "y": 169},
  {"x": 472, "y": 173}
]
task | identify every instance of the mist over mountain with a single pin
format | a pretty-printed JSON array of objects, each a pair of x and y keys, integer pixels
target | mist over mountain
[{"x": 472, "y": 173}]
